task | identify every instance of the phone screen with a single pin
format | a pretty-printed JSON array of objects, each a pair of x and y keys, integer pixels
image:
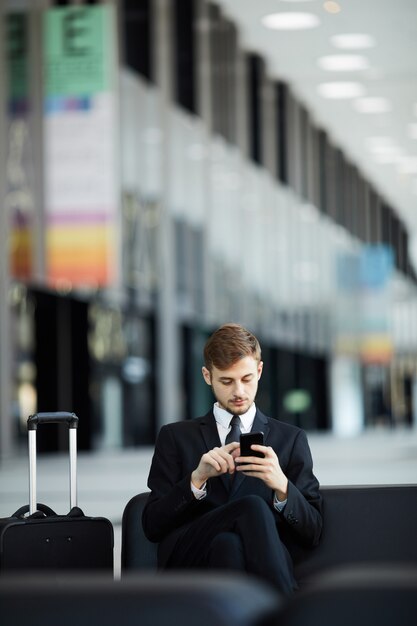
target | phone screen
[{"x": 246, "y": 440}]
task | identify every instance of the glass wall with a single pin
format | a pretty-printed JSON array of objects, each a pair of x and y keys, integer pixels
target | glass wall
[{"x": 193, "y": 189}]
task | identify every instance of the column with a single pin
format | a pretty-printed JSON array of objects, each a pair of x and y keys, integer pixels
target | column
[
  {"x": 169, "y": 368},
  {"x": 6, "y": 441}
]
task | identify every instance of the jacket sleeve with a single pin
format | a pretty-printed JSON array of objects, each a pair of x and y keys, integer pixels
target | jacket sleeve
[
  {"x": 171, "y": 502},
  {"x": 303, "y": 511}
]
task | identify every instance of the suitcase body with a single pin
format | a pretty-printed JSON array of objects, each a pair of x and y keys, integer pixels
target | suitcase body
[{"x": 36, "y": 538}]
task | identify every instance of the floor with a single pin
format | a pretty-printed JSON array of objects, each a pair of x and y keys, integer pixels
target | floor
[{"x": 108, "y": 479}]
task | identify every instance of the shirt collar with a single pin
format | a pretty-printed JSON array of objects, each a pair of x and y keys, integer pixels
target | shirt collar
[{"x": 223, "y": 417}]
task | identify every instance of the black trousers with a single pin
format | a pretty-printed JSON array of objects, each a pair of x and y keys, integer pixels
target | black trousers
[{"x": 240, "y": 535}]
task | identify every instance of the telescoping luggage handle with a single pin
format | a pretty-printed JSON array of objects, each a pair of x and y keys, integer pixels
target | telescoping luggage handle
[{"x": 52, "y": 418}]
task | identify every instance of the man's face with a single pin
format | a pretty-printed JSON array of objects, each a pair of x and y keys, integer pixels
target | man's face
[{"x": 235, "y": 387}]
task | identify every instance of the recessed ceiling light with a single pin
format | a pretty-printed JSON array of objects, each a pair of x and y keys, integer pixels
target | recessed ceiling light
[
  {"x": 408, "y": 165},
  {"x": 353, "y": 41},
  {"x": 386, "y": 159},
  {"x": 332, "y": 7},
  {"x": 382, "y": 145},
  {"x": 388, "y": 150},
  {"x": 343, "y": 62},
  {"x": 290, "y": 21},
  {"x": 382, "y": 140},
  {"x": 372, "y": 105},
  {"x": 341, "y": 90}
]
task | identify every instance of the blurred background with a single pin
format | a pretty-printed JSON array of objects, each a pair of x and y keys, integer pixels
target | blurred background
[{"x": 170, "y": 165}]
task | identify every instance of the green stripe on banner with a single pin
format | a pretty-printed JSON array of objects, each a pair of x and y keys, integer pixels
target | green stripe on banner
[{"x": 76, "y": 50}]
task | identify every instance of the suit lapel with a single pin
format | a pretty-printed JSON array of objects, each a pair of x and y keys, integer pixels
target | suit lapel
[
  {"x": 212, "y": 440},
  {"x": 209, "y": 431},
  {"x": 260, "y": 424}
]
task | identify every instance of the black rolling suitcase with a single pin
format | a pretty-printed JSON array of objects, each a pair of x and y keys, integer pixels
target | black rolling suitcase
[{"x": 36, "y": 538}]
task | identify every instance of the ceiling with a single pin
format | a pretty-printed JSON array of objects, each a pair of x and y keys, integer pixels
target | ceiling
[{"x": 392, "y": 74}]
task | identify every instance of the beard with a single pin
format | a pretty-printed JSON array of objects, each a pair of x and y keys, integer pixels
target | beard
[{"x": 235, "y": 406}]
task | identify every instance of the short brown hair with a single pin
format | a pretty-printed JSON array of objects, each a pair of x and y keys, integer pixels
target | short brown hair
[{"x": 228, "y": 344}]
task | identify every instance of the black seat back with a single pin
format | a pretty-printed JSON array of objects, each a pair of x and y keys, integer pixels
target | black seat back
[
  {"x": 360, "y": 595},
  {"x": 136, "y": 600},
  {"x": 362, "y": 524},
  {"x": 138, "y": 553}
]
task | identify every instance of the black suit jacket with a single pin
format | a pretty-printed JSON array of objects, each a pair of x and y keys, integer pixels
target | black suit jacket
[{"x": 171, "y": 506}]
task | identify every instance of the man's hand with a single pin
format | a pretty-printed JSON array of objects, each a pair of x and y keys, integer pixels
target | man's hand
[
  {"x": 267, "y": 469},
  {"x": 213, "y": 463}
]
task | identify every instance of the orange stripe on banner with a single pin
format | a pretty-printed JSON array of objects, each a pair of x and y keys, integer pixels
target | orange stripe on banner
[
  {"x": 84, "y": 235},
  {"x": 87, "y": 274},
  {"x": 377, "y": 349},
  {"x": 98, "y": 277},
  {"x": 76, "y": 256},
  {"x": 21, "y": 253},
  {"x": 80, "y": 255}
]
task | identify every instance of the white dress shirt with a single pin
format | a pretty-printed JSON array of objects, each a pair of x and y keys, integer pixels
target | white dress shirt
[{"x": 223, "y": 418}]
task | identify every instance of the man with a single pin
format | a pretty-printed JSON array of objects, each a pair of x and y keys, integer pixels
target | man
[{"x": 208, "y": 509}]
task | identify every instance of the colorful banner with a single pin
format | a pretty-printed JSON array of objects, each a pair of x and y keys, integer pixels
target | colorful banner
[
  {"x": 376, "y": 268},
  {"x": 81, "y": 190},
  {"x": 19, "y": 201},
  {"x": 363, "y": 304}
]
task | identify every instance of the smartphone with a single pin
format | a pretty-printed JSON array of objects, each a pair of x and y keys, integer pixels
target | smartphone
[{"x": 247, "y": 439}]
